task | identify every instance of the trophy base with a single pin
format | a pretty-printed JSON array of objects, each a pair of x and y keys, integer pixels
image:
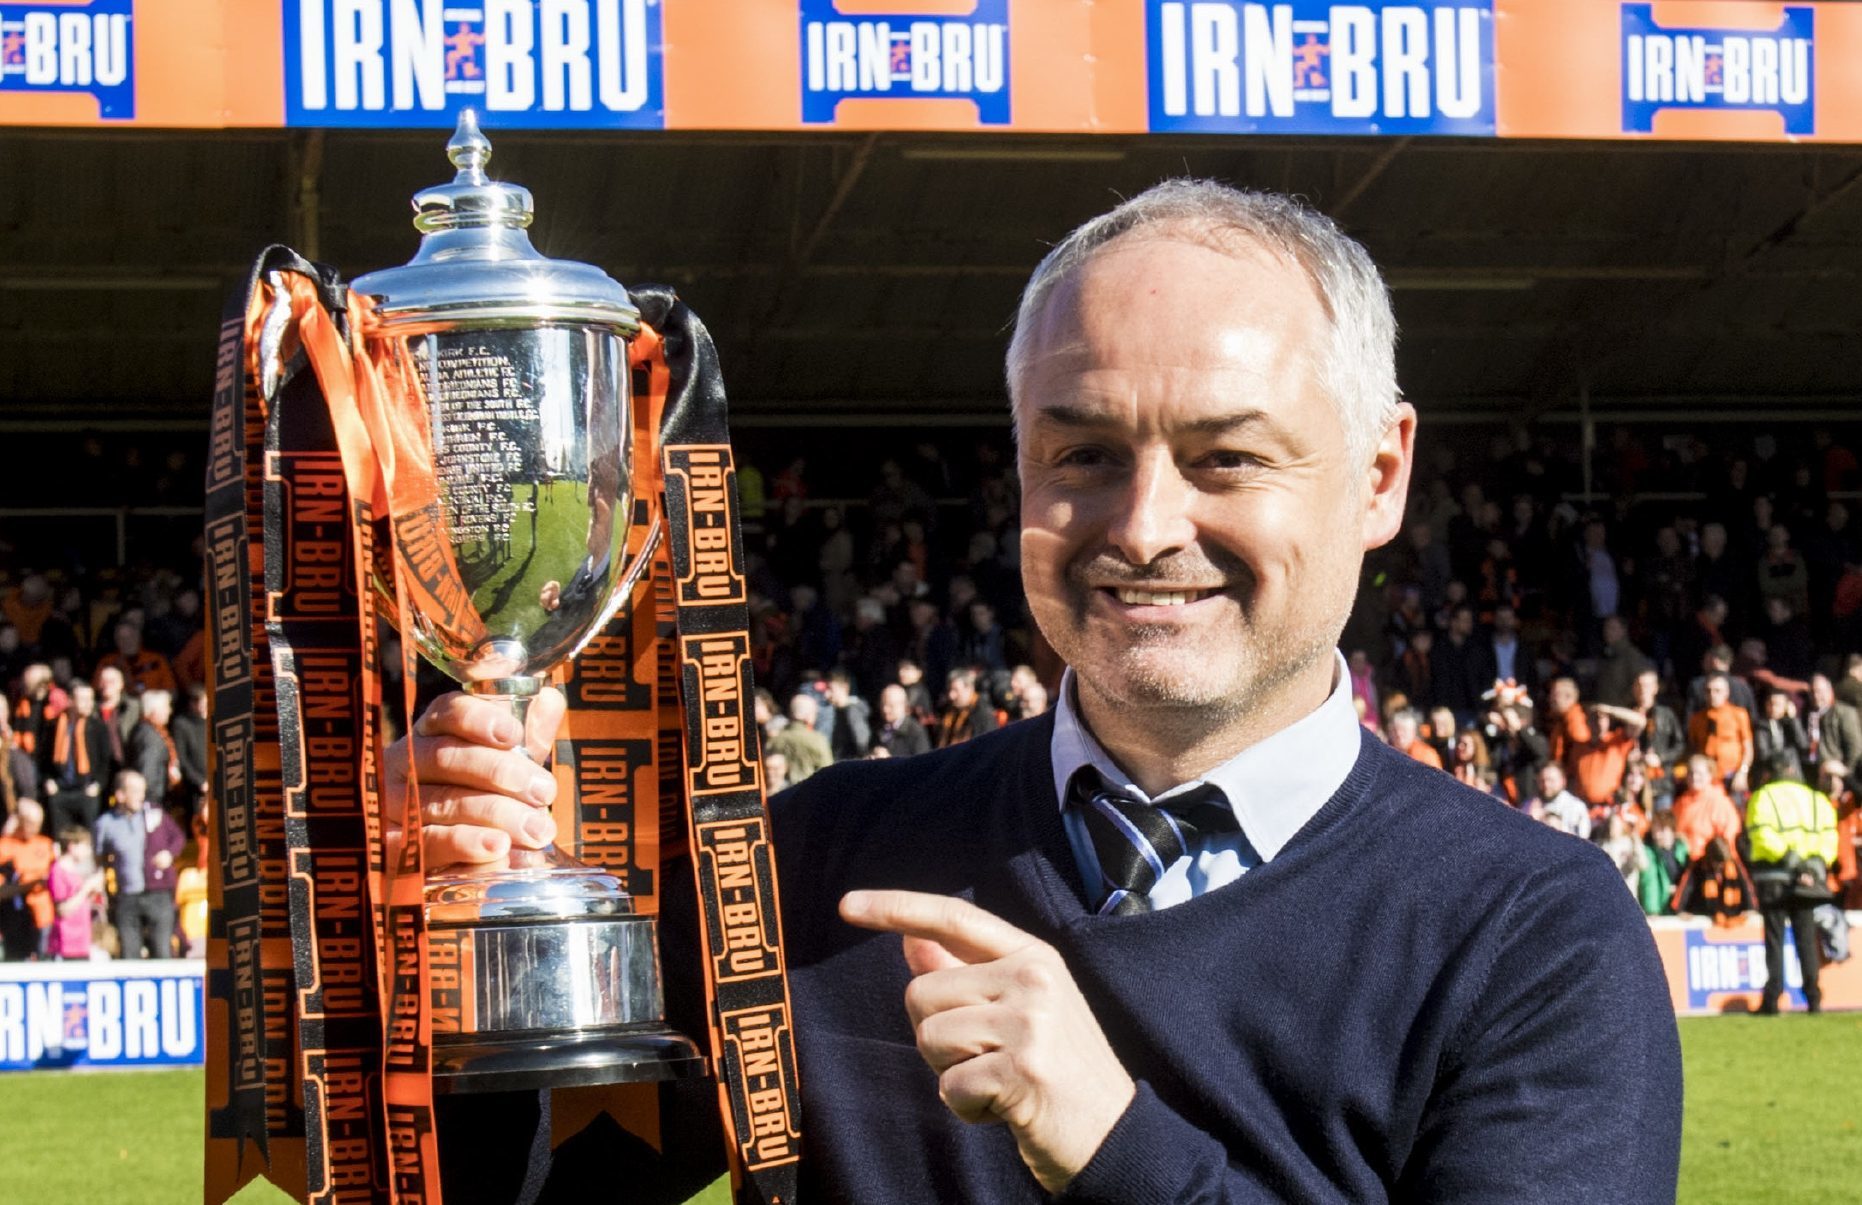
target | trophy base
[{"x": 517, "y": 1063}]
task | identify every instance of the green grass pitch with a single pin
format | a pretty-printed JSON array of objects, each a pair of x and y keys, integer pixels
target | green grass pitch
[{"x": 1774, "y": 1115}]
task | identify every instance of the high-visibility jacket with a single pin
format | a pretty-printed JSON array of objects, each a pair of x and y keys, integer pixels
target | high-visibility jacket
[{"x": 1785, "y": 818}]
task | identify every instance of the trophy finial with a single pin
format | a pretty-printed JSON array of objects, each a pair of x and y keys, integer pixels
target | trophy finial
[{"x": 469, "y": 149}]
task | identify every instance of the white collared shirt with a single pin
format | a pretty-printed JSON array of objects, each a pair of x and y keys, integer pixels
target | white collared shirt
[{"x": 1274, "y": 787}]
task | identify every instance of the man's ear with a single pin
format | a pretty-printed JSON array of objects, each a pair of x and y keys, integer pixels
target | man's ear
[{"x": 1386, "y": 477}]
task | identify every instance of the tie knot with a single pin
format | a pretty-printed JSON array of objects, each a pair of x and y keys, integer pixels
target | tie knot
[{"x": 1135, "y": 841}]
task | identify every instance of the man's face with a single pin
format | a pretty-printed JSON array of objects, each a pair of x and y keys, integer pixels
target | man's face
[
  {"x": 1192, "y": 530},
  {"x": 960, "y": 692},
  {"x": 892, "y": 704},
  {"x": 1717, "y": 692},
  {"x": 1822, "y": 693},
  {"x": 1648, "y": 685},
  {"x": 1564, "y": 695},
  {"x": 110, "y": 684},
  {"x": 131, "y": 791},
  {"x": 1505, "y": 622},
  {"x": 1551, "y": 780},
  {"x": 84, "y": 699}
]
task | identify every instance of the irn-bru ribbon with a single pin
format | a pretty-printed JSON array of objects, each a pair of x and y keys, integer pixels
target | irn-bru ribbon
[{"x": 320, "y": 966}]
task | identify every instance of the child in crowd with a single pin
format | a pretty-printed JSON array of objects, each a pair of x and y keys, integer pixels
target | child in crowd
[{"x": 77, "y": 886}]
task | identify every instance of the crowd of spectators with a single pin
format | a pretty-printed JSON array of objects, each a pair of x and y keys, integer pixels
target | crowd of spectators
[{"x": 1619, "y": 663}]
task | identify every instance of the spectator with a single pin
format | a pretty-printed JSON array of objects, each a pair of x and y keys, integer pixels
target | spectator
[
  {"x": 144, "y": 669},
  {"x": 1558, "y": 807},
  {"x": 1469, "y": 761},
  {"x": 912, "y": 678},
  {"x": 900, "y": 735},
  {"x": 1363, "y": 684},
  {"x": 1516, "y": 747},
  {"x": 1406, "y": 737},
  {"x": 871, "y": 651},
  {"x": 77, "y": 886},
  {"x": 1792, "y": 830},
  {"x": 189, "y": 730},
  {"x": 41, "y": 701},
  {"x": 26, "y": 856},
  {"x": 1779, "y": 729},
  {"x": 803, "y": 750},
  {"x": 1781, "y": 572},
  {"x": 1619, "y": 664},
  {"x": 1664, "y": 861},
  {"x": 1706, "y": 632},
  {"x": 853, "y": 724},
  {"x": 76, "y": 762},
  {"x": 775, "y": 772},
  {"x": 1457, "y": 670},
  {"x": 1567, "y": 724},
  {"x": 1034, "y": 701},
  {"x": 1634, "y": 801},
  {"x": 150, "y": 750},
  {"x": 968, "y": 714},
  {"x": 1719, "y": 660},
  {"x": 116, "y": 707},
  {"x": 1662, "y": 742},
  {"x": 1849, "y": 690},
  {"x": 983, "y": 644},
  {"x": 1626, "y": 850},
  {"x": 139, "y": 844},
  {"x": 1503, "y": 657},
  {"x": 1703, "y": 811},
  {"x": 1835, "y": 731},
  {"x": 1723, "y": 732},
  {"x": 1597, "y": 764},
  {"x": 1413, "y": 675}
]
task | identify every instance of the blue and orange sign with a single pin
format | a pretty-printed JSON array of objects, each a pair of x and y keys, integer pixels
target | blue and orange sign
[
  {"x": 86, "y": 49},
  {"x": 926, "y": 56},
  {"x": 1736, "y": 70},
  {"x": 519, "y": 63},
  {"x": 1229, "y": 67},
  {"x": 1770, "y": 70}
]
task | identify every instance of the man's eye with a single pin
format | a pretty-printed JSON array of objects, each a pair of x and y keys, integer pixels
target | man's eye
[
  {"x": 1083, "y": 458},
  {"x": 1227, "y": 460}
]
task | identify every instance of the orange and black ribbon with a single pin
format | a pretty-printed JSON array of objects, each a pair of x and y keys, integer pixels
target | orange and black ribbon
[{"x": 319, "y": 1007}]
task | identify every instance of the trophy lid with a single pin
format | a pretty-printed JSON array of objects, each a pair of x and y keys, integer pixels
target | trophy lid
[{"x": 476, "y": 265}]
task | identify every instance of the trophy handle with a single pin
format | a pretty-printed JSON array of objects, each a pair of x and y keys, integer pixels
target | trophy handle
[{"x": 625, "y": 591}]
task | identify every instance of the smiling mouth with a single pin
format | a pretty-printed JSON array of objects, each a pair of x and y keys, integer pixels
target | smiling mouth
[{"x": 1158, "y": 598}]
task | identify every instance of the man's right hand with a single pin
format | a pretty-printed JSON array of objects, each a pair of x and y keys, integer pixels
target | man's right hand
[{"x": 482, "y": 782}]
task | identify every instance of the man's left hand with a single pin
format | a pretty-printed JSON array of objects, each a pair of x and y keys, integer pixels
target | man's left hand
[{"x": 999, "y": 1018}]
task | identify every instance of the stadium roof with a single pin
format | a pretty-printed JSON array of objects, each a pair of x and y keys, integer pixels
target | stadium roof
[{"x": 871, "y": 278}]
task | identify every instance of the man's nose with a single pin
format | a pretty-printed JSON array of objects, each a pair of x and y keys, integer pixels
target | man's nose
[{"x": 1153, "y": 513}]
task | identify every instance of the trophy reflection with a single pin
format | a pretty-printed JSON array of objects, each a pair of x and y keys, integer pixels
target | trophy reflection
[{"x": 508, "y": 453}]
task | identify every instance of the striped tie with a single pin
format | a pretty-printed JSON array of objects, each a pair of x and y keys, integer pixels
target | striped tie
[{"x": 1136, "y": 842}]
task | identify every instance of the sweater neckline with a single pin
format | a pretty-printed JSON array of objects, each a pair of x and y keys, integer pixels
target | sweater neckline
[{"x": 1051, "y": 876}]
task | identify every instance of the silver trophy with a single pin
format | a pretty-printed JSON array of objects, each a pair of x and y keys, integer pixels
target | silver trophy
[{"x": 510, "y": 432}]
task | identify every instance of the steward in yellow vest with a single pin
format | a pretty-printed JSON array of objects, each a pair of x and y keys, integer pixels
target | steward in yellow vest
[{"x": 1791, "y": 830}]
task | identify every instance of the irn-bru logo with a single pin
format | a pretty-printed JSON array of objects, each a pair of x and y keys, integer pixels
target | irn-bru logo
[
  {"x": 71, "y": 48},
  {"x": 1716, "y": 968},
  {"x": 1229, "y": 66},
  {"x": 905, "y": 57},
  {"x": 1718, "y": 69},
  {"x": 556, "y": 64}
]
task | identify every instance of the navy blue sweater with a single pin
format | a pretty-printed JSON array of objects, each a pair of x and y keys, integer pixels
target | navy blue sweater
[{"x": 1426, "y": 996}]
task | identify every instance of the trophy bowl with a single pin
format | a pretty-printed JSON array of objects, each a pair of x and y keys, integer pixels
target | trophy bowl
[{"x": 508, "y": 454}]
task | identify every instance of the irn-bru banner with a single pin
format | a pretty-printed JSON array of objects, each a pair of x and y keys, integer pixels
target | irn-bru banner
[
  {"x": 101, "y": 1014},
  {"x": 1667, "y": 69},
  {"x": 1722, "y": 970}
]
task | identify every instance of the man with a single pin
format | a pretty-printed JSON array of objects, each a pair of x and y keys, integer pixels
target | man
[
  {"x": 1719, "y": 660},
  {"x": 141, "y": 844},
  {"x": 803, "y": 749},
  {"x": 1457, "y": 669},
  {"x": 1406, "y": 738},
  {"x": 150, "y": 750},
  {"x": 899, "y": 735},
  {"x": 1504, "y": 658},
  {"x": 1663, "y": 743},
  {"x": 1556, "y": 805},
  {"x": 1792, "y": 829},
  {"x": 143, "y": 668},
  {"x": 1291, "y": 990},
  {"x": 114, "y": 704},
  {"x": 853, "y": 720},
  {"x": 26, "y": 907},
  {"x": 1620, "y": 664},
  {"x": 75, "y": 762},
  {"x": 1723, "y": 732},
  {"x": 189, "y": 730},
  {"x": 1703, "y": 811},
  {"x": 1849, "y": 690},
  {"x": 1597, "y": 764},
  {"x": 966, "y": 714},
  {"x": 1835, "y": 734}
]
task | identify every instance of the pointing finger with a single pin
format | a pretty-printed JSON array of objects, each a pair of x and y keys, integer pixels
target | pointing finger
[{"x": 960, "y": 927}]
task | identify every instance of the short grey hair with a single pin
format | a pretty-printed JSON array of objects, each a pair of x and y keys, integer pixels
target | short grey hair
[{"x": 1358, "y": 370}]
